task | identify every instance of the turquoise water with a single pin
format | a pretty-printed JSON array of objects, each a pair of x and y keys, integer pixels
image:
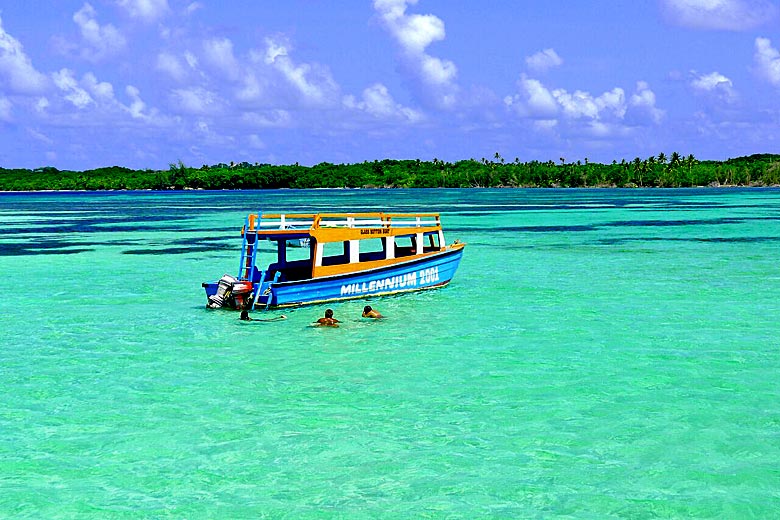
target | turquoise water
[{"x": 599, "y": 354}]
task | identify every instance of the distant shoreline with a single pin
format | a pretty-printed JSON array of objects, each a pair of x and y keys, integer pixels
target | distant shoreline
[
  {"x": 720, "y": 186},
  {"x": 674, "y": 171}
]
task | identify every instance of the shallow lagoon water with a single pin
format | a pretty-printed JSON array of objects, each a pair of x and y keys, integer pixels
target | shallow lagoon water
[{"x": 599, "y": 354}]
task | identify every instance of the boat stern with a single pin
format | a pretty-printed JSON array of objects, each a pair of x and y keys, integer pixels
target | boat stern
[{"x": 228, "y": 292}]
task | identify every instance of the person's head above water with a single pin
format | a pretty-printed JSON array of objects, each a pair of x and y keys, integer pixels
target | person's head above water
[
  {"x": 369, "y": 312},
  {"x": 328, "y": 313}
]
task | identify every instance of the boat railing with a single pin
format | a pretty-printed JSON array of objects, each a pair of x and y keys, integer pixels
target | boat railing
[{"x": 306, "y": 221}]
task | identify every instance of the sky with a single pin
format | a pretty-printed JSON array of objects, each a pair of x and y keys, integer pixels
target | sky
[{"x": 147, "y": 83}]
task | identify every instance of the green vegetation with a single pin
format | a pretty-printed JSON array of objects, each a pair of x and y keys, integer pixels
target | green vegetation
[{"x": 660, "y": 171}]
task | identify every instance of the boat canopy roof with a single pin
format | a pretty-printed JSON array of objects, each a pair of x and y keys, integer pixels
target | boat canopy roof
[{"x": 334, "y": 227}]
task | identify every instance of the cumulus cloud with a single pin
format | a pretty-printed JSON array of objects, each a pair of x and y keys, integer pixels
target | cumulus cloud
[
  {"x": 537, "y": 101},
  {"x": 16, "y": 70},
  {"x": 137, "y": 106},
  {"x": 147, "y": 10},
  {"x": 729, "y": 15},
  {"x": 100, "y": 90},
  {"x": 543, "y": 61},
  {"x": 40, "y": 136},
  {"x": 191, "y": 8},
  {"x": 314, "y": 83},
  {"x": 767, "y": 61},
  {"x": 218, "y": 53},
  {"x": 77, "y": 95},
  {"x": 98, "y": 41},
  {"x": 171, "y": 65},
  {"x": 276, "y": 118},
  {"x": 98, "y": 96},
  {"x": 255, "y": 142},
  {"x": 378, "y": 102},
  {"x": 601, "y": 114},
  {"x": 5, "y": 109},
  {"x": 41, "y": 105},
  {"x": 579, "y": 104},
  {"x": 265, "y": 77},
  {"x": 642, "y": 103},
  {"x": 714, "y": 85},
  {"x": 534, "y": 100},
  {"x": 414, "y": 33},
  {"x": 197, "y": 100}
]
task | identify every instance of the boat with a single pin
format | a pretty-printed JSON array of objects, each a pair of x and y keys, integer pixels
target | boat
[
  {"x": 296, "y": 242},
  {"x": 346, "y": 256}
]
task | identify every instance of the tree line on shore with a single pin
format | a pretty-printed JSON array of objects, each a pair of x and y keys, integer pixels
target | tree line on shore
[{"x": 660, "y": 171}]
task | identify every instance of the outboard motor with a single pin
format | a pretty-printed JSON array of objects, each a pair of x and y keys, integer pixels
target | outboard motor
[{"x": 231, "y": 292}]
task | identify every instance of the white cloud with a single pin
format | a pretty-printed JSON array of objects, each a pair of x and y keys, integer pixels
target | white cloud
[
  {"x": 40, "y": 136},
  {"x": 607, "y": 113},
  {"x": 99, "y": 41},
  {"x": 414, "y": 33},
  {"x": 581, "y": 104},
  {"x": 100, "y": 90},
  {"x": 66, "y": 82},
  {"x": 197, "y": 100},
  {"x": 767, "y": 60},
  {"x": 218, "y": 52},
  {"x": 146, "y": 10},
  {"x": 713, "y": 84},
  {"x": 378, "y": 102},
  {"x": 534, "y": 100},
  {"x": 5, "y": 109},
  {"x": 314, "y": 83},
  {"x": 16, "y": 69},
  {"x": 543, "y": 61},
  {"x": 41, "y": 105},
  {"x": 252, "y": 87},
  {"x": 270, "y": 119},
  {"x": 731, "y": 15},
  {"x": 171, "y": 65},
  {"x": 256, "y": 143},
  {"x": 97, "y": 96},
  {"x": 642, "y": 103},
  {"x": 137, "y": 106},
  {"x": 191, "y": 60},
  {"x": 191, "y": 8}
]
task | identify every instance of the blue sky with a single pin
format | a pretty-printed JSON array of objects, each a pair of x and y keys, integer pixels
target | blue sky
[{"x": 146, "y": 83}]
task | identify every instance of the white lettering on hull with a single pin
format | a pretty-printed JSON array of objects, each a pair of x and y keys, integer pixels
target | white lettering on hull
[{"x": 403, "y": 281}]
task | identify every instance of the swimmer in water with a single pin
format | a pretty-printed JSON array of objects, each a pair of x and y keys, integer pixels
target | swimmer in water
[
  {"x": 246, "y": 317},
  {"x": 328, "y": 320},
  {"x": 368, "y": 312}
]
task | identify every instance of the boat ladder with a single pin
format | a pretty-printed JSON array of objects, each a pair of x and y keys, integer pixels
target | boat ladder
[{"x": 249, "y": 248}]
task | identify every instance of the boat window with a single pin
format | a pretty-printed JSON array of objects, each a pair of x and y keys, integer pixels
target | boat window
[
  {"x": 335, "y": 253},
  {"x": 431, "y": 241},
  {"x": 297, "y": 252},
  {"x": 372, "y": 249},
  {"x": 404, "y": 245}
]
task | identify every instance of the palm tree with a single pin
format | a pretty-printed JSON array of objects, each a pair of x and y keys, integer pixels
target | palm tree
[
  {"x": 674, "y": 160},
  {"x": 690, "y": 161}
]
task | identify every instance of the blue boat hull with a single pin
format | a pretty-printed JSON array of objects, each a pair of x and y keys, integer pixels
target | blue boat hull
[{"x": 415, "y": 275}]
